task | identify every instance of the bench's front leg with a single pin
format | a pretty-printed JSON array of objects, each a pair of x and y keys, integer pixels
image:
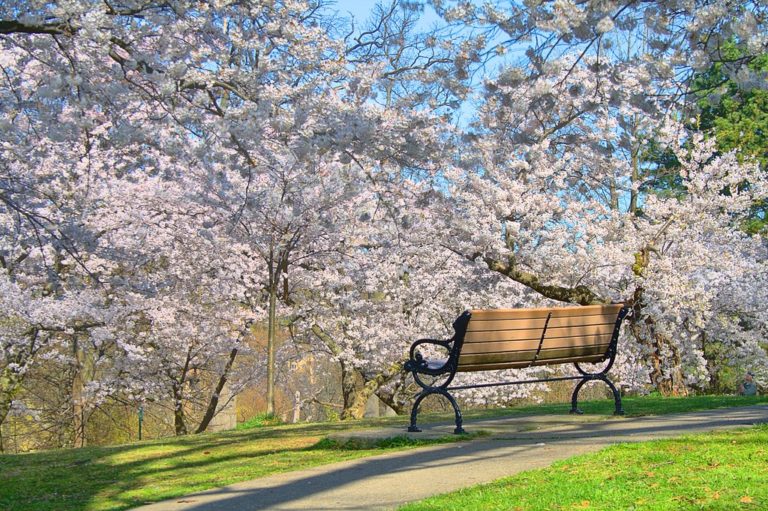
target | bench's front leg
[
  {"x": 575, "y": 397},
  {"x": 415, "y": 410},
  {"x": 441, "y": 391},
  {"x": 416, "y": 365}
]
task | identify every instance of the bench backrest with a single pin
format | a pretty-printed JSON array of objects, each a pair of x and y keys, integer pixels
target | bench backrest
[{"x": 512, "y": 338}]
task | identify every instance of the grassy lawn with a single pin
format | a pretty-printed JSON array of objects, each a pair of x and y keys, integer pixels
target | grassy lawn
[
  {"x": 722, "y": 471},
  {"x": 120, "y": 477},
  {"x": 633, "y": 407}
]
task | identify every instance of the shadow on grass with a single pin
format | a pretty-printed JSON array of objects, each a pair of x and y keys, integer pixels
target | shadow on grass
[{"x": 124, "y": 476}]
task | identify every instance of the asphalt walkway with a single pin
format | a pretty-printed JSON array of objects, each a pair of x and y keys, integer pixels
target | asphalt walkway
[{"x": 391, "y": 480}]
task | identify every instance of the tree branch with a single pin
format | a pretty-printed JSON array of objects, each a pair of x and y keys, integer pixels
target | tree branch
[{"x": 16, "y": 27}]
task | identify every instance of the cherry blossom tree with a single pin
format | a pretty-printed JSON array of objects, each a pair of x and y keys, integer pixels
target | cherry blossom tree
[
  {"x": 163, "y": 256},
  {"x": 135, "y": 97},
  {"x": 252, "y": 112},
  {"x": 669, "y": 40},
  {"x": 173, "y": 173},
  {"x": 554, "y": 195},
  {"x": 49, "y": 161}
]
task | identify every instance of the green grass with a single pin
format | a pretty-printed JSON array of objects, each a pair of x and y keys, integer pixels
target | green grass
[
  {"x": 722, "y": 471},
  {"x": 633, "y": 406},
  {"x": 259, "y": 421},
  {"x": 124, "y": 476},
  {"x": 396, "y": 442},
  {"x": 121, "y": 477}
]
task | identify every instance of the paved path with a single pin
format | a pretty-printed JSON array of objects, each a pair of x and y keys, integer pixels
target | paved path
[{"x": 390, "y": 480}]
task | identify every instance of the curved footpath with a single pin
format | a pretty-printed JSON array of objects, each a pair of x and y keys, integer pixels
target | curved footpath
[{"x": 390, "y": 480}]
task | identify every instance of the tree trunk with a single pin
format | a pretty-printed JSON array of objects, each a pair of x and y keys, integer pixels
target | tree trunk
[
  {"x": 711, "y": 354},
  {"x": 399, "y": 398},
  {"x": 78, "y": 410},
  {"x": 357, "y": 408},
  {"x": 210, "y": 412},
  {"x": 271, "y": 329},
  {"x": 179, "y": 423},
  {"x": 354, "y": 394},
  {"x": 5, "y": 409},
  {"x": 395, "y": 400},
  {"x": 10, "y": 385},
  {"x": 614, "y": 196},
  {"x": 666, "y": 372},
  {"x": 350, "y": 378},
  {"x": 633, "y": 195},
  {"x": 351, "y": 381}
]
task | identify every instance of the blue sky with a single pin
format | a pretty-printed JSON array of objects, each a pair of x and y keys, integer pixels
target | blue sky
[
  {"x": 358, "y": 8},
  {"x": 361, "y": 9}
]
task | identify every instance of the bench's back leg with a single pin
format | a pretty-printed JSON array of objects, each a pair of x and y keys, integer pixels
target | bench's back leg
[
  {"x": 616, "y": 397},
  {"x": 590, "y": 377},
  {"x": 459, "y": 430}
]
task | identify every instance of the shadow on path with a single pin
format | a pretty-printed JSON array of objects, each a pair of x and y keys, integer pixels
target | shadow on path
[{"x": 390, "y": 480}]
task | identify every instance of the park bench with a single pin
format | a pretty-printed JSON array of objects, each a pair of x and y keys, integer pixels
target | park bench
[{"x": 517, "y": 338}]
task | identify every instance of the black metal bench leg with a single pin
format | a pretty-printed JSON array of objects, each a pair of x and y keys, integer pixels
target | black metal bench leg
[
  {"x": 415, "y": 411},
  {"x": 616, "y": 397},
  {"x": 459, "y": 420},
  {"x": 575, "y": 397},
  {"x": 427, "y": 392}
]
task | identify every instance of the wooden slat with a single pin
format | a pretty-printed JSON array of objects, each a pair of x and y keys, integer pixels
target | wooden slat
[
  {"x": 518, "y": 365},
  {"x": 533, "y": 344},
  {"x": 510, "y": 338},
  {"x": 585, "y": 332},
  {"x": 523, "y": 356},
  {"x": 496, "y": 314},
  {"x": 478, "y": 325}
]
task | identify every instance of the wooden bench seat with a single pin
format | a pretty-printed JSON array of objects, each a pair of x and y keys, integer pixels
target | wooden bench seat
[{"x": 517, "y": 338}]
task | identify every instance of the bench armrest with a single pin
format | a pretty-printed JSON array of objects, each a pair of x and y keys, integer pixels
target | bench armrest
[
  {"x": 417, "y": 363},
  {"x": 444, "y": 343}
]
